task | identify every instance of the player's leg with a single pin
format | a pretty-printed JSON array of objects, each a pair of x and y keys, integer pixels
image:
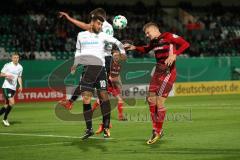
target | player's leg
[
  {"x": 161, "y": 113},
  {"x": 87, "y": 82},
  {"x": 7, "y": 111},
  {"x": 152, "y": 100},
  {"x": 101, "y": 125},
  {"x": 120, "y": 108},
  {"x": 116, "y": 86},
  {"x": 87, "y": 113},
  {"x": 5, "y": 95},
  {"x": 9, "y": 102},
  {"x": 95, "y": 105},
  {"x": 106, "y": 112},
  {"x": 3, "y": 109},
  {"x": 163, "y": 86},
  {"x": 105, "y": 105},
  {"x": 68, "y": 104}
]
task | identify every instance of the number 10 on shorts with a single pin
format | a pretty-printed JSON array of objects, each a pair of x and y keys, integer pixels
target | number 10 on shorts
[{"x": 103, "y": 84}]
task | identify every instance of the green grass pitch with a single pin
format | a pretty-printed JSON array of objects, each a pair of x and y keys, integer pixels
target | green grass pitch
[{"x": 201, "y": 128}]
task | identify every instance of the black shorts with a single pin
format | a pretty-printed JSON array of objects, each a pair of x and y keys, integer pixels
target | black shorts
[
  {"x": 93, "y": 77},
  {"x": 8, "y": 93},
  {"x": 108, "y": 62}
]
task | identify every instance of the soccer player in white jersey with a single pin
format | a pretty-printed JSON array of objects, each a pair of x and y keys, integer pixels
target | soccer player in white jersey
[
  {"x": 90, "y": 52},
  {"x": 12, "y": 72},
  {"x": 106, "y": 28}
]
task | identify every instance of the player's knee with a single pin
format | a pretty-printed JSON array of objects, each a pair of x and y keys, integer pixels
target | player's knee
[
  {"x": 160, "y": 101},
  {"x": 120, "y": 100},
  {"x": 152, "y": 99},
  {"x": 86, "y": 97},
  {"x": 11, "y": 102},
  {"x": 104, "y": 96}
]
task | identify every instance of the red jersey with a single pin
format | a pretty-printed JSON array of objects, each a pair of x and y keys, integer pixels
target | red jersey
[
  {"x": 115, "y": 69},
  {"x": 161, "y": 47}
]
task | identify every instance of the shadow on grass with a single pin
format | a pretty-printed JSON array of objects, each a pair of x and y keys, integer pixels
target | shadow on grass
[
  {"x": 93, "y": 144},
  {"x": 15, "y": 122}
]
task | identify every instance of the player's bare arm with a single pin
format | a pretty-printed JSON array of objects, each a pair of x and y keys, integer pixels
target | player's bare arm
[
  {"x": 80, "y": 24},
  {"x": 129, "y": 47},
  {"x": 73, "y": 69},
  {"x": 20, "y": 84}
]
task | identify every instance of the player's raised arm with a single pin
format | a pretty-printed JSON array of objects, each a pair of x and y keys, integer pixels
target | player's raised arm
[
  {"x": 80, "y": 24},
  {"x": 181, "y": 43},
  {"x": 119, "y": 44},
  {"x": 142, "y": 49}
]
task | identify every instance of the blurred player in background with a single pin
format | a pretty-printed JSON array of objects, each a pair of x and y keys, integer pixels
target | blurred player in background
[
  {"x": 166, "y": 47},
  {"x": 114, "y": 87},
  {"x": 12, "y": 72}
]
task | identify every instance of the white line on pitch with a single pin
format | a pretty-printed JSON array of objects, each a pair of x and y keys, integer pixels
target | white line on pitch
[{"x": 48, "y": 135}]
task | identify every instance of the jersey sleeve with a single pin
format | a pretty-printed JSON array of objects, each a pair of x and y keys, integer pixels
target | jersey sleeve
[
  {"x": 181, "y": 43},
  {"x": 144, "y": 49}
]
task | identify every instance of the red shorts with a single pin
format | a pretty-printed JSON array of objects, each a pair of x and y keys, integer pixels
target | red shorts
[
  {"x": 162, "y": 83},
  {"x": 115, "y": 91}
]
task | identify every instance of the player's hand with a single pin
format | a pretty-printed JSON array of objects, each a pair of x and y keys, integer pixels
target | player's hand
[
  {"x": 117, "y": 57},
  {"x": 110, "y": 78},
  {"x": 171, "y": 58},
  {"x": 73, "y": 69},
  {"x": 63, "y": 14},
  {"x": 128, "y": 46},
  {"x": 20, "y": 89}
]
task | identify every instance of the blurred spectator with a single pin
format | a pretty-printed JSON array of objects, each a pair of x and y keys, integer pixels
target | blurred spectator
[{"x": 35, "y": 27}]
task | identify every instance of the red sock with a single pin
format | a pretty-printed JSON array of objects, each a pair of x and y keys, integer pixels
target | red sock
[
  {"x": 120, "y": 110},
  {"x": 161, "y": 112},
  {"x": 152, "y": 108},
  {"x": 95, "y": 105}
]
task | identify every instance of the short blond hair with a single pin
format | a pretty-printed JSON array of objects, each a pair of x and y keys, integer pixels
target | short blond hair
[
  {"x": 15, "y": 54},
  {"x": 150, "y": 24}
]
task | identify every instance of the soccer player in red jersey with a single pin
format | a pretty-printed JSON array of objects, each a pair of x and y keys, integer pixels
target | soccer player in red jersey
[
  {"x": 166, "y": 47},
  {"x": 115, "y": 85}
]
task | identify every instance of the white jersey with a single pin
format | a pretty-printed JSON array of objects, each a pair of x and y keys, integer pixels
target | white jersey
[
  {"x": 108, "y": 29},
  {"x": 90, "y": 48},
  {"x": 14, "y": 70}
]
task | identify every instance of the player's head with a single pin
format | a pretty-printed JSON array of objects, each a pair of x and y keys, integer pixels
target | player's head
[
  {"x": 15, "y": 58},
  {"x": 98, "y": 12},
  {"x": 116, "y": 56},
  {"x": 151, "y": 30},
  {"x": 96, "y": 23}
]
